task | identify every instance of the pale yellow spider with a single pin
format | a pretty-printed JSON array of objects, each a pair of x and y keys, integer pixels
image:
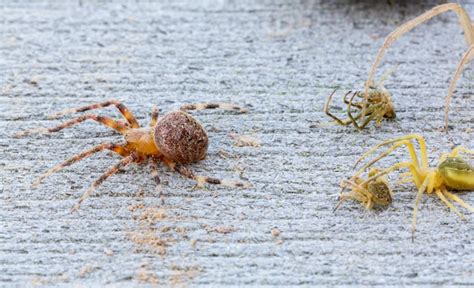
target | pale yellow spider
[
  {"x": 468, "y": 28},
  {"x": 370, "y": 194},
  {"x": 453, "y": 172}
]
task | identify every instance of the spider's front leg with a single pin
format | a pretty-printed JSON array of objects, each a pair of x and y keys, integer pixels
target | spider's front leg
[
  {"x": 202, "y": 180},
  {"x": 123, "y": 110},
  {"x": 327, "y": 112},
  {"x": 117, "y": 125}
]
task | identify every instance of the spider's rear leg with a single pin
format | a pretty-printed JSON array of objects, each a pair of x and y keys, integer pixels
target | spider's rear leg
[
  {"x": 467, "y": 57},
  {"x": 223, "y": 106},
  {"x": 114, "y": 169},
  {"x": 109, "y": 122},
  {"x": 327, "y": 112},
  {"x": 119, "y": 149},
  {"x": 123, "y": 110},
  {"x": 202, "y": 180}
]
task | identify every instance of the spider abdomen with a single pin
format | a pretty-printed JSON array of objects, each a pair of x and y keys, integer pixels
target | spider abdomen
[
  {"x": 181, "y": 138},
  {"x": 457, "y": 173}
]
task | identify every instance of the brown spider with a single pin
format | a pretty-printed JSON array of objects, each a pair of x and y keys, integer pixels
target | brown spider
[
  {"x": 175, "y": 139},
  {"x": 392, "y": 37}
]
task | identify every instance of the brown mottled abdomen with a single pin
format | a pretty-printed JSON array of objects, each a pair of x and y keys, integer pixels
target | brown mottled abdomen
[{"x": 181, "y": 138}]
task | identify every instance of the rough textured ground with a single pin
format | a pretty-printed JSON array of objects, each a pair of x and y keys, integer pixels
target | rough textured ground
[{"x": 278, "y": 58}]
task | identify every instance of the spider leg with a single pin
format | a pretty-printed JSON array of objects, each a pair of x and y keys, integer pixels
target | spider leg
[
  {"x": 408, "y": 144},
  {"x": 411, "y": 149},
  {"x": 123, "y": 110},
  {"x": 458, "y": 149},
  {"x": 326, "y": 109},
  {"x": 154, "y": 116},
  {"x": 421, "y": 190},
  {"x": 224, "y": 106},
  {"x": 449, "y": 204},
  {"x": 354, "y": 104},
  {"x": 124, "y": 162},
  {"x": 466, "y": 58},
  {"x": 394, "y": 167},
  {"x": 119, "y": 149},
  {"x": 109, "y": 122},
  {"x": 458, "y": 200},
  {"x": 404, "y": 28},
  {"x": 201, "y": 180}
]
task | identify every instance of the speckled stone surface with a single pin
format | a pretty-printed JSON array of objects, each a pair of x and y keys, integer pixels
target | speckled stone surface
[{"x": 280, "y": 59}]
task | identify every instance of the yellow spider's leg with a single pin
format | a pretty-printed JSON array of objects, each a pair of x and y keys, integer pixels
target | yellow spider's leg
[
  {"x": 458, "y": 200},
  {"x": 372, "y": 112},
  {"x": 458, "y": 149},
  {"x": 154, "y": 116},
  {"x": 392, "y": 37},
  {"x": 409, "y": 145},
  {"x": 449, "y": 204},
  {"x": 466, "y": 58},
  {"x": 421, "y": 190},
  {"x": 419, "y": 138},
  {"x": 397, "y": 166},
  {"x": 346, "y": 197}
]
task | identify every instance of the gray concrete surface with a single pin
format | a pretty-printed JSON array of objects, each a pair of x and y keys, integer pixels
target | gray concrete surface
[{"x": 278, "y": 58}]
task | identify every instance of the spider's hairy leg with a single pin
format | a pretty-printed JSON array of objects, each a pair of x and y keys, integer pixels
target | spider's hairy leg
[
  {"x": 411, "y": 149},
  {"x": 406, "y": 27},
  {"x": 458, "y": 200},
  {"x": 201, "y": 180},
  {"x": 119, "y": 149},
  {"x": 449, "y": 204},
  {"x": 326, "y": 108},
  {"x": 154, "y": 116},
  {"x": 466, "y": 58},
  {"x": 123, "y": 110},
  {"x": 109, "y": 122},
  {"x": 124, "y": 162},
  {"x": 223, "y": 106}
]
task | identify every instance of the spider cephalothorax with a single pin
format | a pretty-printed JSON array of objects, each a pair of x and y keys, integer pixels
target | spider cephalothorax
[
  {"x": 175, "y": 139},
  {"x": 452, "y": 172},
  {"x": 468, "y": 28}
]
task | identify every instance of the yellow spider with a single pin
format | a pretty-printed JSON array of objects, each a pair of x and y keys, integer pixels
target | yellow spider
[
  {"x": 468, "y": 28},
  {"x": 453, "y": 172},
  {"x": 369, "y": 194},
  {"x": 378, "y": 103}
]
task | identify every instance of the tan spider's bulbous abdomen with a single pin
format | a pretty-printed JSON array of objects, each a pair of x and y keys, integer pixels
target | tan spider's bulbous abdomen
[{"x": 181, "y": 138}]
